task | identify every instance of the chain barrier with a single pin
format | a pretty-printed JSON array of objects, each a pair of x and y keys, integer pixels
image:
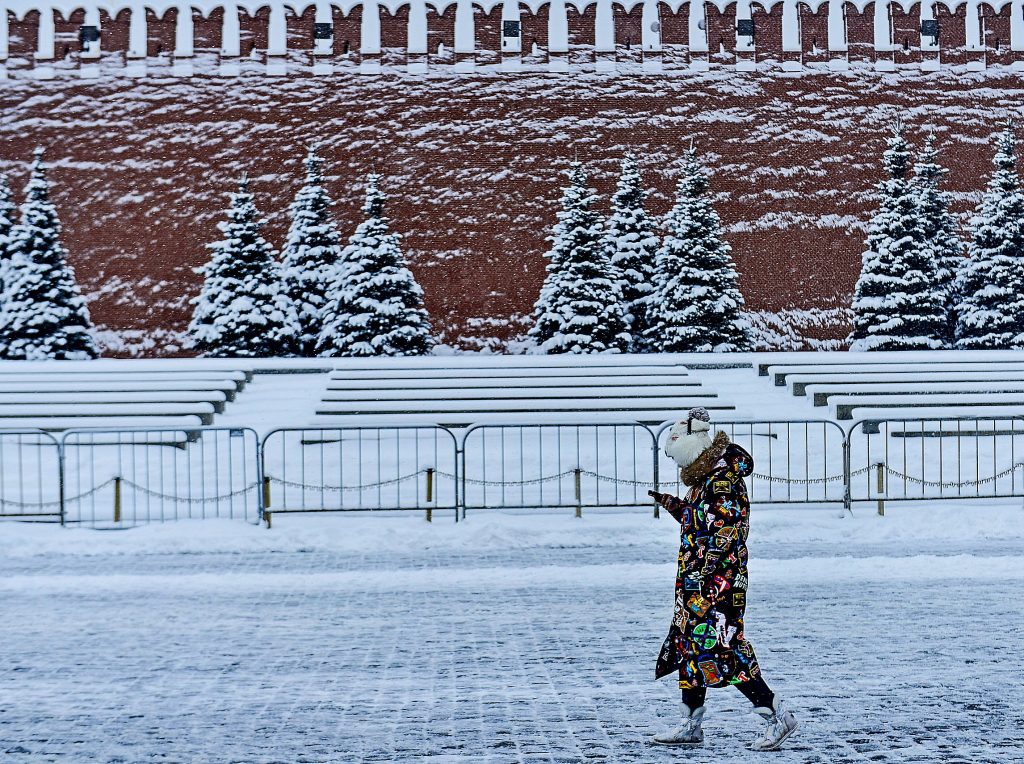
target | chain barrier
[
  {"x": 188, "y": 499},
  {"x": 645, "y": 483},
  {"x": 342, "y": 488},
  {"x": 810, "y": 481},
  {"x": 530, "y": 481},
  {"x": 56, "y": 503},
  {"x": 953, "y": 483}
]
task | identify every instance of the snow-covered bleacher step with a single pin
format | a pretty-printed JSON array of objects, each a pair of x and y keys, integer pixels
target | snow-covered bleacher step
[
  {"x": 500, "y": 395},
  {"x": 822, "y": 393},
  {"x": 585, "y": 373},
  {"x": 459, "y": 419},
  {"x": 765, "y": 362},
  {"x": 458, "y": 363},
  {"x": 223, "y": 390},
  {"x": 467, "y": 412},
  {"x": 44, "y": 410},
  {"x": 108, "y": 422},
  {"x": 942, "y": 419},
  {"x": 67, "y": 395},
  {"x": 801, "y": 383},
  {"x": 215, "y": 398},
  {"x": 845, "y": 406},
  {"x": 238, "y": 378},
  {"x": 545, "y": 381},
  {"x": 782, "y": 373}
]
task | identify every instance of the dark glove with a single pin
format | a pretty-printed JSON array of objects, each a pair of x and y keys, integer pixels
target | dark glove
[{"x": 656, "y": 496}]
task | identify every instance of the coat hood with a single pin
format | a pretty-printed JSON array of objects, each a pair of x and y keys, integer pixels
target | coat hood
[{"x": 736, "y": 457}]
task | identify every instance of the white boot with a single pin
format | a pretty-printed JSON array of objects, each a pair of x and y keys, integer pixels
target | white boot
[
  {"x": 687, "y": 733},
  {"x": 781, "y": 724}
]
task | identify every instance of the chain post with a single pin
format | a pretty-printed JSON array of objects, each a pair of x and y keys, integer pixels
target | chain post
[
  {"x": 881, "y": 488},
  {"x": 577, "y": 473},
  {"x": 117, "y": 499},
  {"x": 266, "y": 493},
  {"x": 430, "y": 493}
]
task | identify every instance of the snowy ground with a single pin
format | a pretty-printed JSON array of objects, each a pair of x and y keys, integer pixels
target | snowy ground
[{"x": 508, "y": 638}]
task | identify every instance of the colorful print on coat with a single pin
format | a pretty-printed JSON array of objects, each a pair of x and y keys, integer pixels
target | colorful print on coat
[{"x": 705, "y": 643}]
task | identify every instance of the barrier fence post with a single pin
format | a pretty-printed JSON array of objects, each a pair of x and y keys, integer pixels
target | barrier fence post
[
  {"x": 117, "y": 499},
  {"x": 460, "y": 478},
  {"x": 847, "y": 476},
  {"x": 430, "y": 493},
  {"x": 881, "y": 488},
  {"x": 60, "y": 483},
  {"x": 577, "y": 473},
  {"x": 657, "y": 476}
]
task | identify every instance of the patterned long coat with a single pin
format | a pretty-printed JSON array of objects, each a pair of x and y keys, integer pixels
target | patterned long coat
[{"x": 705, "y": 641}]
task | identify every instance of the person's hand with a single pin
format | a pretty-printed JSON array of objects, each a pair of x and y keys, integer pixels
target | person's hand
[{"x": 655, "y": 495}]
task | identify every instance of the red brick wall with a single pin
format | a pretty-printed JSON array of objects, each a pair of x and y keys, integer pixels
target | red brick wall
[{"x": 474, "y": 162}]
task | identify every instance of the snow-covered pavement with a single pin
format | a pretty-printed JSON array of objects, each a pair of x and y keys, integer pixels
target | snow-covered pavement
[{"x": 503, "y": 639}]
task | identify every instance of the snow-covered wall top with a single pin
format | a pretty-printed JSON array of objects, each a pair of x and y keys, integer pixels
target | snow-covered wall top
[{"x": 742, "y": 34}]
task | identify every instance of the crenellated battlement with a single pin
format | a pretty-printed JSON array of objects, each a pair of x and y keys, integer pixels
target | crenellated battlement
[{"x": 42, "y": 39}]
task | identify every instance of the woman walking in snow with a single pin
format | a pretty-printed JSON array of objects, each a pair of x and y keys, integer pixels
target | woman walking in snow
[{"x": 705, "y": 643}]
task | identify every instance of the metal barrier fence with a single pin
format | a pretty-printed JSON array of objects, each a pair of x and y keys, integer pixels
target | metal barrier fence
[
  {"x": 558, "y": 465},
  {"x": 360, "y": 469},
  {"x": 31, "y": 476},
  {"x": 917, "y": 459},
  {"x": 795, "y": 461},
  {"x": 118, "y": 478}
]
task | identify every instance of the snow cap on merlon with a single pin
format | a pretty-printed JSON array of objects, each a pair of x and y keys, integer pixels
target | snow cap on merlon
[{"x": 698, "y": 420}]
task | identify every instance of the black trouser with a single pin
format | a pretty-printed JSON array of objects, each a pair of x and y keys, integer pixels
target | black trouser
[{"x": 756, "y": 691}]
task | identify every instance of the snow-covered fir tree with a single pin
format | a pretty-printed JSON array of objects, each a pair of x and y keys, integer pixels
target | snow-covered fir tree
[
  {"x": 634, "y": 245},
  {"x": 940, "y": 243},
  {"x": 374, "y": 305},
  {"x": 310, "y": 254},
  {"x": 242, "y": 310},
  {"x": 896, "y": 305},
  {"x": 580, "y": 305},
  {"x": 42, "y": 312},
  {"x": 990, "y": 282},
  {"x": 8, "y": 214},
  {"x": 696, "y": 304}
]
